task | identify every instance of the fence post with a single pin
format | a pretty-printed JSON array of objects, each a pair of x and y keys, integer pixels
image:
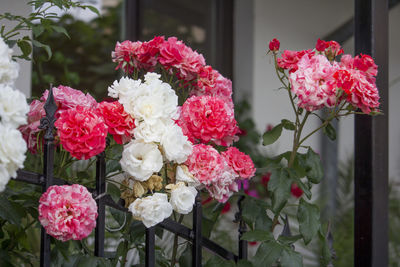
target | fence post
[
  {"x": 150, "y": 246},
  {"x": 242, "y": 229},
  {"x": 47, "y": 123},
  {"x": 371, "y": 143},
  {"x": 197, "y": 232},
  {"x": 100, "y": 189}
]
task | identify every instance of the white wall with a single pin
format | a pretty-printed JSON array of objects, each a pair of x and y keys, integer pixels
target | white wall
[{"x": 19, "y": 7}]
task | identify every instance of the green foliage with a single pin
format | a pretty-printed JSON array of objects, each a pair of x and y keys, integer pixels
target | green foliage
[
  {"x": 309, "y": 223},
  {"x": 39, "y": 21},
  {"x": 271, "y": 136},
  {"x": 85, "y": 63},
  {"x": 329, "y": 131}
]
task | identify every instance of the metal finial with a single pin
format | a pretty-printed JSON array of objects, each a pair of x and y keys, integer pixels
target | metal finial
[{"x": 47, "y": 122}]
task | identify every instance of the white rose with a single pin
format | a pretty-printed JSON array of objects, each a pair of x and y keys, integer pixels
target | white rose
[
  {"x": 151, "y": 77},
  {"x": 151, "y": 210},
  {"x": 151, "y": 132},
  {"x": 123, "y": 88},
  {"x": 13, "y": 106},
  {"x": 151, "y": 101},
  {"x": 175, "y": 144},
  {"x": 183, "y": 175},
  {"x": 141, "y": 160},
  {"x": 8, "y": 68},
  {"x": 182, "y": 198},
  {"x": 149, "y": 108},
  {"x": 12, "y": 153}
]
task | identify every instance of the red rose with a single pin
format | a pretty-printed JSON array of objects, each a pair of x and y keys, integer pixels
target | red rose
[{"x": 120, "y": 124}]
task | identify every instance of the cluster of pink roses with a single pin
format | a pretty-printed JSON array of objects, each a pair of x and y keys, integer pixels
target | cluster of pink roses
[
  {"x": 82, "y": 123},
  {"x": 318, "y": 80},
  {"x": 219, "y": 172}
]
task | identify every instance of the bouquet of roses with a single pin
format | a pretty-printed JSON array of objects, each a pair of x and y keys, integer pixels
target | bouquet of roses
[{"x": 173, "y": 117}]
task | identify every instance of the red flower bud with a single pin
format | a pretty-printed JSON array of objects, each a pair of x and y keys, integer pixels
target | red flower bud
[{"x": 274, "y": 45}]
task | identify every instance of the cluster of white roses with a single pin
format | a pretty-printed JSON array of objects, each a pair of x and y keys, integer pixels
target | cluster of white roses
[
  {"x": 13, "y": 109},
  {"x": 157, "y": 139}
]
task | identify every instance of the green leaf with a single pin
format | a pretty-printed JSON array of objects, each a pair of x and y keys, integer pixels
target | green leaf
[
  {"x": 60, "y": 30},
  {"x": 305, "y": 188},
  {"x": 267, "y": 254},
  {"x": 37, "y": 30},
  {"x": 315, "y": 172},
  {"x": 113, "y": 191},
  {"x": 330, "y": 131},
  {"x": 185, "y": 260},
  {"x": 257, "y": 235},
  {"x": 279, "y": 185},
  {"x": 288, "y": 125},
  {"x": 263, "y": 222},
  {"x": 7, "y": 211},
  {"x": 289, "y": 240},
  {"x": 45, "y": 47},
  {"x": 291, "y": 258},
  {"x": 25, "y": 47},
  {"x": 137, "y": 232},
  {"x": 250, "y": 211},
  {"x": 119, "y": 216},
  {"x": 94, "y": 10},
  {"x": 217, "y": 261},
  {"x": 86, "y": 260},
  {"x": 271, "y": 136},
  {"x": 244, "y": 263},
  {"x": 308, "y": 217}
]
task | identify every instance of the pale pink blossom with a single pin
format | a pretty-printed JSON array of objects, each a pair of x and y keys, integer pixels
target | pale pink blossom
[
  {"x": 206, "y": 164},
  {"x": 67, "y": 98},
  {"x": 67, "y": 212},
  {"x": 313, "y": 82},
  {"x": 31, "y": 130},
  {"x": 239, "y": 162},
  {"x": 175, "y": 54}
]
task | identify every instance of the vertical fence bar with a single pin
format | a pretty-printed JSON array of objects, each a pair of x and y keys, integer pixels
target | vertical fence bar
[
  {"x": 197, "y": 232},
  {"x": 100, "y": 189},
  {"x": 242, "y": 229},
  {"x": 150, "y": 260},
  {"x": 371, "y": 143},
  {"x": 47, "y": 123}
]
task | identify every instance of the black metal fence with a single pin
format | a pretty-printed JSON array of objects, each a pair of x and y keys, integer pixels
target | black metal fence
[{"x": 194, "y": 234}]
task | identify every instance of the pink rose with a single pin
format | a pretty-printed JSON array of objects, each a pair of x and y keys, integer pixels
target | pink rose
[
  {"x": 67, "y": 98},
  {"x": 82, "y": 132},
  {"x": 31, "y": 130},
  {"x": 239, "y": 162},
  {"x": 208, "y": 119},
  {"x": 313, "y": 82},
  {"x": 205, "y": 163},
  {"x": 67, "y": 212},
  {"x": 124, "y": 55}
]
